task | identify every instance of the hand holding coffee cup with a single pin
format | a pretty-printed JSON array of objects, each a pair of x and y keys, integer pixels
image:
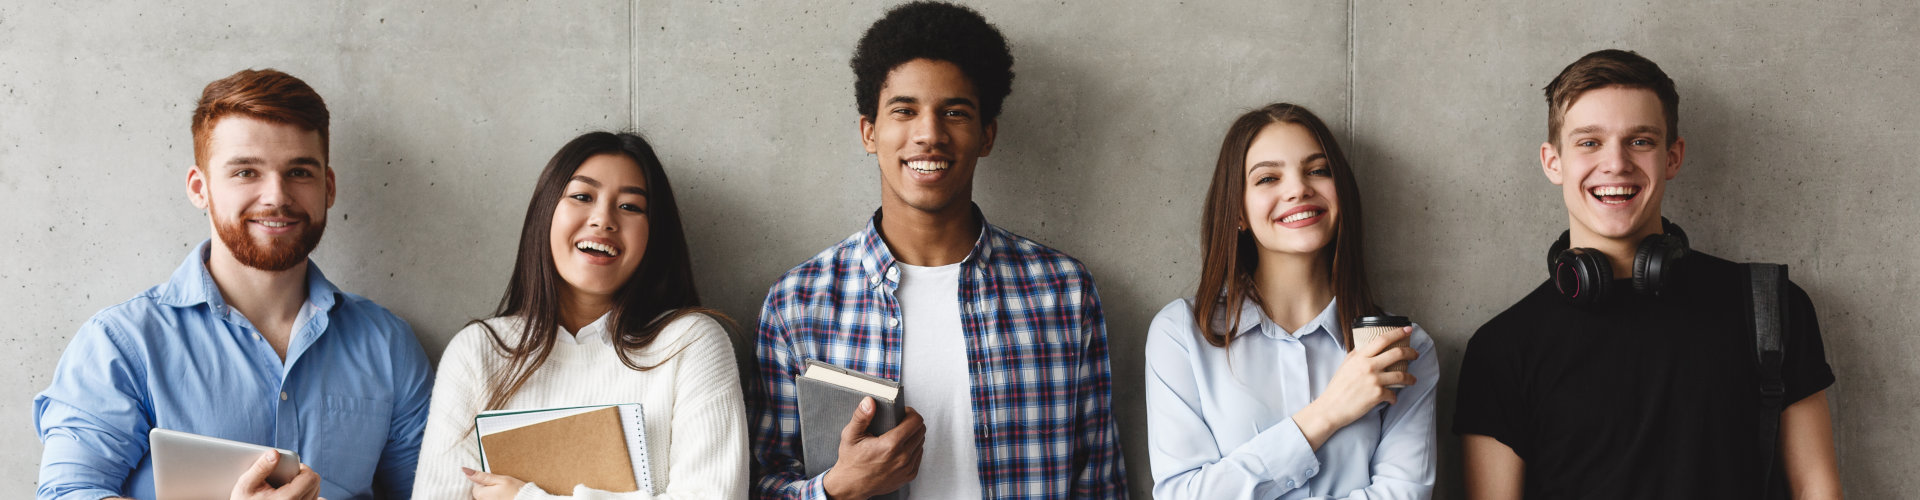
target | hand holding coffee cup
[
  {"x": 1363, "y": 381},
  {"x": 1368, "y": 328}
]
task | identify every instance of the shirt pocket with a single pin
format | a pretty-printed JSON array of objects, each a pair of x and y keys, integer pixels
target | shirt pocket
[{"x": 351, "y": 434}]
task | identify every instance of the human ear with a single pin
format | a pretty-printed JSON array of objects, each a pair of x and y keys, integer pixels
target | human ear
[
  {"x": 1676, "y": 153},
  {"x": 330, "y": 186},
  {"x": 197, "y": 187},
  {"x": 866, "y": 134},
  {"x": 992, "y": 129},
  {"x": 1550, "y": 162}
]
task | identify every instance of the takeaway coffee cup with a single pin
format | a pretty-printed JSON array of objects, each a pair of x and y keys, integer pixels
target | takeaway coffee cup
[{"x": 1366, "y": 328}]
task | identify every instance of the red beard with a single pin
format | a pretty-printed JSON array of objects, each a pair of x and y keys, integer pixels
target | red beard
[{"x": 277, "y": 253}]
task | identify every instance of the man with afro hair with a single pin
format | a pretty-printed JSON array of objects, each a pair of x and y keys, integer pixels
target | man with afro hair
[{"x": 998, "y": 340}]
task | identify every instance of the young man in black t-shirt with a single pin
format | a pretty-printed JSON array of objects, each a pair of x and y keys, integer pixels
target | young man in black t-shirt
[{"x": 1634, "y": 385}]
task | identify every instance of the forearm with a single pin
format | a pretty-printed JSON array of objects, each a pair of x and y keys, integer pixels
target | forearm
[
  {"x": 778, "y": 473},
  {"x": 1493, "y": 471},
  {"x": 70, "y": 469},
  {"x": 1806, "y": 449},
  {"x": 1275, "y": 461},
  {"x": 1403, "y": 462},
  {"x": 709, "y": 442},
  {"x": 67, "y": 483},
  {"x": 448, "y": 443},
  {"x": 791, "y": 486}
]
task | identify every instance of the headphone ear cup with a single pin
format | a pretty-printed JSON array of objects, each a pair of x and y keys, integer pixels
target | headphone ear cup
[
  {"x": 1648, "y": 266},
  {"x": 1654, "y": 261},
  {"x": 1583, "y": 276},
  {"x": 1553, "y": 252}
]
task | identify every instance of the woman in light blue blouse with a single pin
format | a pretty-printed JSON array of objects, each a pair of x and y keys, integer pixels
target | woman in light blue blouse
[{"x": 1268, "y": 397}]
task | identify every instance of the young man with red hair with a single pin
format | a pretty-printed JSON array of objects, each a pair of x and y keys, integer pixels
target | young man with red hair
[{"x": 248, "y": 341}]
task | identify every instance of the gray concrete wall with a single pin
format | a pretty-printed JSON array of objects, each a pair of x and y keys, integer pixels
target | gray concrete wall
[{"x": 1796, "y": 115}]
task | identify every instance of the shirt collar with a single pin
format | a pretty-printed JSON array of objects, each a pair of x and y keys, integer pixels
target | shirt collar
[
  {"x": 594, "y": 333},
  {"x": 191, "y": 284},
  {"x": 1252, "y": 317},
  {"x": 877, "y": 261}
]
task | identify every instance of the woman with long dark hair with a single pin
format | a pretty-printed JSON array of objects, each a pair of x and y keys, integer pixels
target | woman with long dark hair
[
  {"x": 601, "y": 309},
  {"x": 1255, "y": 388}
]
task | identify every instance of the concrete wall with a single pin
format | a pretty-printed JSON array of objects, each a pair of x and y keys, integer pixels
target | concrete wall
[{"x": 1796, "y": 115}]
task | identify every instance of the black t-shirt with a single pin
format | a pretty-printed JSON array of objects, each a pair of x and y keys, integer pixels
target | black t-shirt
[{"x": 1640, "y": 397}]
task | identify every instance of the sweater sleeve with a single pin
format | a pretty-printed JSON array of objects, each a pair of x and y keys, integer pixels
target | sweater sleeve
[
  {"x": 708, "y": 440},
  {"x": 458, "y": 393}
]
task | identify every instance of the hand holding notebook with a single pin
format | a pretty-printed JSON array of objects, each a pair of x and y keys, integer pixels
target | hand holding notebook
[{"x": 600, "y": 447}]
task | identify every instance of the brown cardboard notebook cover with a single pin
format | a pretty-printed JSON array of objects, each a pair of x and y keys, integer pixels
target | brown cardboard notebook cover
[{"x": 588, "y": 449}]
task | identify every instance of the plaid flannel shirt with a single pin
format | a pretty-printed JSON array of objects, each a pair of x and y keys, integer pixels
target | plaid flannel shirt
[{"x": 1036, "y": 351}]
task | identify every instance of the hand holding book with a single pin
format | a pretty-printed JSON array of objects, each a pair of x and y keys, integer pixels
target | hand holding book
[{"x": 873, "y": 465}]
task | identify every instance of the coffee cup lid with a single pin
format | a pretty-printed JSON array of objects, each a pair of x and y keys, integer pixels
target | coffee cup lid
[{"x": 1372, "y": 321}]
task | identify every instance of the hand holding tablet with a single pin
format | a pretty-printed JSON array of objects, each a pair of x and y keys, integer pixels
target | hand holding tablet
[{"x": 192, "y": 466}]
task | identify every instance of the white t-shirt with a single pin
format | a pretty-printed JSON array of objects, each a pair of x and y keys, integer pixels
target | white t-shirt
[{"x": 933, "y": 372}]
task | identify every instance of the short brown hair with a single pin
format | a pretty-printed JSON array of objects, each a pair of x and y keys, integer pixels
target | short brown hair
[
  {"x": 1607, "y": 68},
  {"x": 265, "y": 94}
]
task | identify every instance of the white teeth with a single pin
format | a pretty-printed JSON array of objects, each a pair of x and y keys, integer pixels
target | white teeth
[
  {"x": 1615, "y": 190},
  {"x": 1299, "y": 216},
  {"x": 273, "y": 224},
  {"x": 928, "y": 165},
  {"x": 591, "y": 245}
]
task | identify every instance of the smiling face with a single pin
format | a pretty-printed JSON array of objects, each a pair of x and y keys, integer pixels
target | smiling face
[
  {"x": 1291, "y": 202},
  {"x": 928, "y": 134},
  {"x": 1612, "y": 163},
  {"x": 600, "y": 226},
  {"x": 266, "y": 190}
]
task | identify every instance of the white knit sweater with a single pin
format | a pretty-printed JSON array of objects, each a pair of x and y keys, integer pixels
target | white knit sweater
[{"x": 694, "y": 414}]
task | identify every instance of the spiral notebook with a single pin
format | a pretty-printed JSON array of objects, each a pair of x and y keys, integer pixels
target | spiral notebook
[{"x": 603, "y": 447}]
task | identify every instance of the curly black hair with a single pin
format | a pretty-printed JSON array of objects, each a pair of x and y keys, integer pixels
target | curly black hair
[{"x": 940, "y": 32}]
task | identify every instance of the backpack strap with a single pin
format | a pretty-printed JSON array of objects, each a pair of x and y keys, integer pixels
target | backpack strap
[{"x": 1769, "y": 293}]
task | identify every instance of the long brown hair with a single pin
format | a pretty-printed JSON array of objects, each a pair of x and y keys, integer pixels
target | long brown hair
[
  {"x": 658, "y": 293},
  {"x": 1231, "y": 256}
]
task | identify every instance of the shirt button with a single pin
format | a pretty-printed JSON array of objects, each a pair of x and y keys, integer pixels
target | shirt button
[
  {"x": 893, "y": 273},
  {"x": 1309, "y": 472},
  {"x": 1291, "y": 485},
  {"x": 893, "y": 321},
  {"x": 283, "y": 395}
]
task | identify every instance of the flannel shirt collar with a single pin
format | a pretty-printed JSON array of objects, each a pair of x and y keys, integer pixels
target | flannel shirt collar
[{"x": 877, "y": 262}]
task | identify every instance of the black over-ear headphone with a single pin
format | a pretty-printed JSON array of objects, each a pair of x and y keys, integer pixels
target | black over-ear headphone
[{"x": 1584, "y": 277}]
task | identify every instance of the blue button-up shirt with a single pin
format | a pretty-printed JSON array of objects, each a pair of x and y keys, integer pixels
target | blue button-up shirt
[
  {"x": 350, "y": 398},
  {"x": 1220, "y": 421},
  {"x": 1036, "y": 361}
]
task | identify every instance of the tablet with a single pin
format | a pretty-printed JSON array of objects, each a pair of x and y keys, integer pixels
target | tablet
[{"x": 192, "y": 466}]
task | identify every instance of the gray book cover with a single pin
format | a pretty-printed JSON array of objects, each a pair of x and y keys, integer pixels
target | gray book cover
[{"x": 828, "y": 397}]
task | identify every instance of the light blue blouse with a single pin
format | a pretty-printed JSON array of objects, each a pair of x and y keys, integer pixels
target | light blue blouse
[{"x": 1220, "y": 421}]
